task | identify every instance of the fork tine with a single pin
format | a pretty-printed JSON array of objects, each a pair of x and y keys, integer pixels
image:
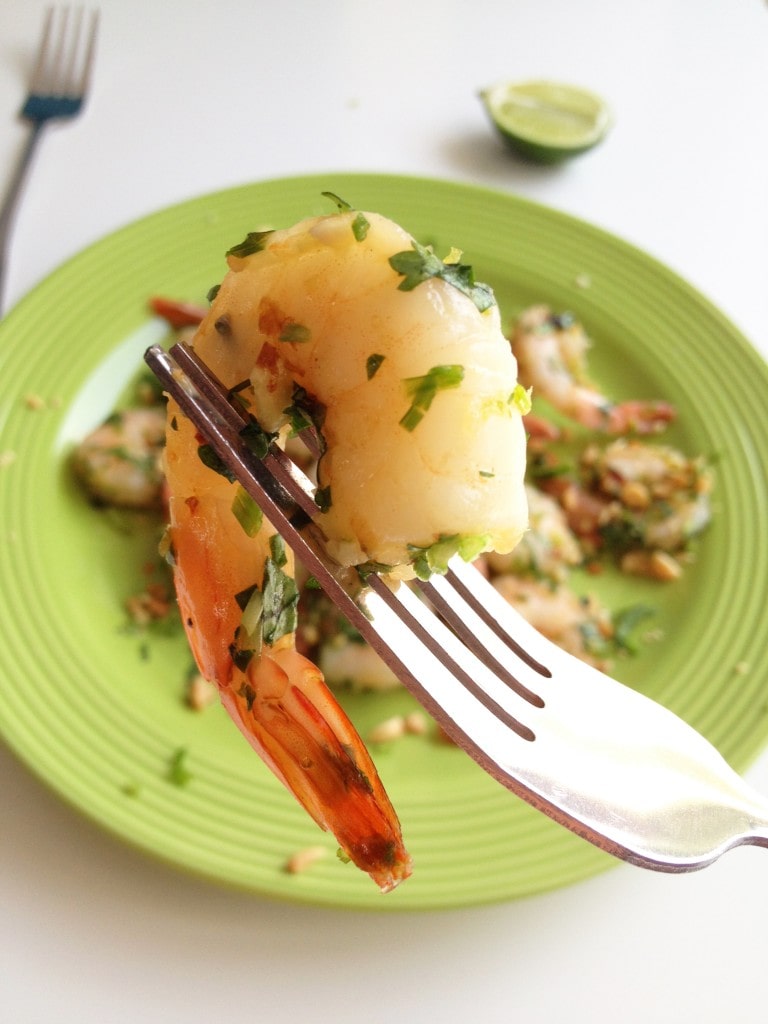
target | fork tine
[
  {"x": 69, "y": 79},
  {"x": 66, "y": 54},
  {"x": 83, "y": 85},
  {"x": 480, "y": 631},
  {"x": 39, "y": 72},
  {"x": 55, "y": 78}
]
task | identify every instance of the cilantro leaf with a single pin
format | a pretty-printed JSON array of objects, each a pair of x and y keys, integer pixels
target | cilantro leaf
[
  {"x": 210, "y": 459},
  {"x": 360, "y": 226},
  {"x": 422, "y": 390},
  {"x": 372, "y": 364},
  {"x": 323, "y": 498},
  {"x": 254, "y": 241},
  {"x": 342, "y": 204},
  {"x": 305, "y": 411},
  {"x": 281, "y": 597},
  {"x": 360, "y": 223},
  {"x": 178, "y": 773},
  {"x": 420, "y": 263},
  {"x": 296, "y": 333},
  {"x": 256, "y": 438}
]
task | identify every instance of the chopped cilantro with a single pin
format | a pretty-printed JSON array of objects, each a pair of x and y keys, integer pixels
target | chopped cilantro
[
  {"x": 254, "y": 241},
  {"x": 323, "y": 498},
  {"x": 420, "y": 263},
  {"x": 342, "y": 204},
  {"x": 422, "y": 390},
  {"x": 625, "y": 622},
  {"x": 277, "y": 550},
  {"x": 365, "y": 569},
  {"x": 248, "y": 694},
  {"x": 256, "y": 438},
  {"x": 294, "y": 333},
  {"x": 281, "y": 597},
  {"x": 372, "y": 364},
  {"x": 360, "y": 223},
  {"x": 240, "y": 656},
  {"x": 559, "y": 321},
  {"x": 622, "y": 533},
  {"x": 244, "y": 596},
  {"x": 360, "y": 226},
  {"x": 305, "y": 411},
  {"x": 178, "y": 773},
  {"x": 210, "y": 459}
]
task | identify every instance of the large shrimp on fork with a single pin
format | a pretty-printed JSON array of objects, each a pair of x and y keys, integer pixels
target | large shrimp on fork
[{"x": 346, "y": 323}]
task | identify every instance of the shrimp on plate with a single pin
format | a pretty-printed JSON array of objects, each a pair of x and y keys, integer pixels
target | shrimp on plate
[
  {"x": 641, "y": 502},
  {"x": 398, "y": 360},
  {"x": 551, "y": 354},
  {"x": 119, "y": 462},
  {"x": 578, "y": 624}
]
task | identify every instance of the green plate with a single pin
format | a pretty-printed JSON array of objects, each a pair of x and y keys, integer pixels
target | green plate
[{"x": 97, "y": 712}]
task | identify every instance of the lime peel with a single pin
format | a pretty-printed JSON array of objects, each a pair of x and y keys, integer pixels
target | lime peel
[{"x": 547, "y": 121}]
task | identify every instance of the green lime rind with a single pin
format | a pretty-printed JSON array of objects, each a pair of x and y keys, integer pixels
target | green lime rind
[{"x": 547, "y": 122}]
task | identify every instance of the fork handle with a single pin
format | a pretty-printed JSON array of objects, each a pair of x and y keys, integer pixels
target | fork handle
[{"x": 12, "y": 196}]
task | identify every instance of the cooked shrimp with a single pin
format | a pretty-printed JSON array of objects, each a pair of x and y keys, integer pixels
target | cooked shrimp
[
  {"x": 276, "y": 697},
  {"x": 414, "y": 394},
  {"x": 659, "y": 498},
  {"x": 347, "y": 662},
  {"x": 551, "y": 354},
  {"x": 577, "y": 624},
  {"x": 118, "y": 463},
  {"x": 548, "y": 548},
  {"x": 636, "y": 497}
]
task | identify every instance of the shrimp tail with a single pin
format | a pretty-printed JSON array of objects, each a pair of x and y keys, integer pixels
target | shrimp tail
[
  {"x": 286, "y": 712},
  {"x": 278, "y": 699}
]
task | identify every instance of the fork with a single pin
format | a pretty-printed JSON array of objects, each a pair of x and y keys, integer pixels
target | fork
[
  {"x": 57, "y": 91},
  {"x": 598, "y": 757}
]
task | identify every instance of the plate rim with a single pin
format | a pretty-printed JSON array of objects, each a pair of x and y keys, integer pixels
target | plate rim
[{"x": 304, "y": 894}]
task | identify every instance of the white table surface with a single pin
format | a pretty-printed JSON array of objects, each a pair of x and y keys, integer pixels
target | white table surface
[{"x": 192, "y": 97}]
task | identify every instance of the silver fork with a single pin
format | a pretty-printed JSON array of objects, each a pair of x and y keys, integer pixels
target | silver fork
[
  {"x": 57, "y": 91},
  {"x": 601, "y": 759}
]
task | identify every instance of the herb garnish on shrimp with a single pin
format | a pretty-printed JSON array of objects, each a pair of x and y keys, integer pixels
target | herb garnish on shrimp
[{"x": 413, "y": 392}]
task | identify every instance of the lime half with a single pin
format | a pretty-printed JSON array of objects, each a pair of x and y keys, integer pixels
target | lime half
[{"x": 547, "y": 121}]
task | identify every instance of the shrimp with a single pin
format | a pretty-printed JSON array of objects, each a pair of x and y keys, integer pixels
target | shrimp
[
  {"x": 642, "y": 502},
  {"x": 119, "y": 462},
  {"x": 580, "y": 625},
  {"x": 551, "y": 354},
  {"x": 548, "y": 548},
  {"x": 413, "y": 393}
]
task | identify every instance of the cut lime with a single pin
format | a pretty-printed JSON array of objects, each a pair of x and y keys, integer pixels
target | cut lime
[{"x": 547, "y": 121}]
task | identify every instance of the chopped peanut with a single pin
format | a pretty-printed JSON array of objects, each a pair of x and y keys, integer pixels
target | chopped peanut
[
  {"x": 200, "y": 692},
  {"x": 390, "y": 729},
  {"x": 304, "y": 859}
]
